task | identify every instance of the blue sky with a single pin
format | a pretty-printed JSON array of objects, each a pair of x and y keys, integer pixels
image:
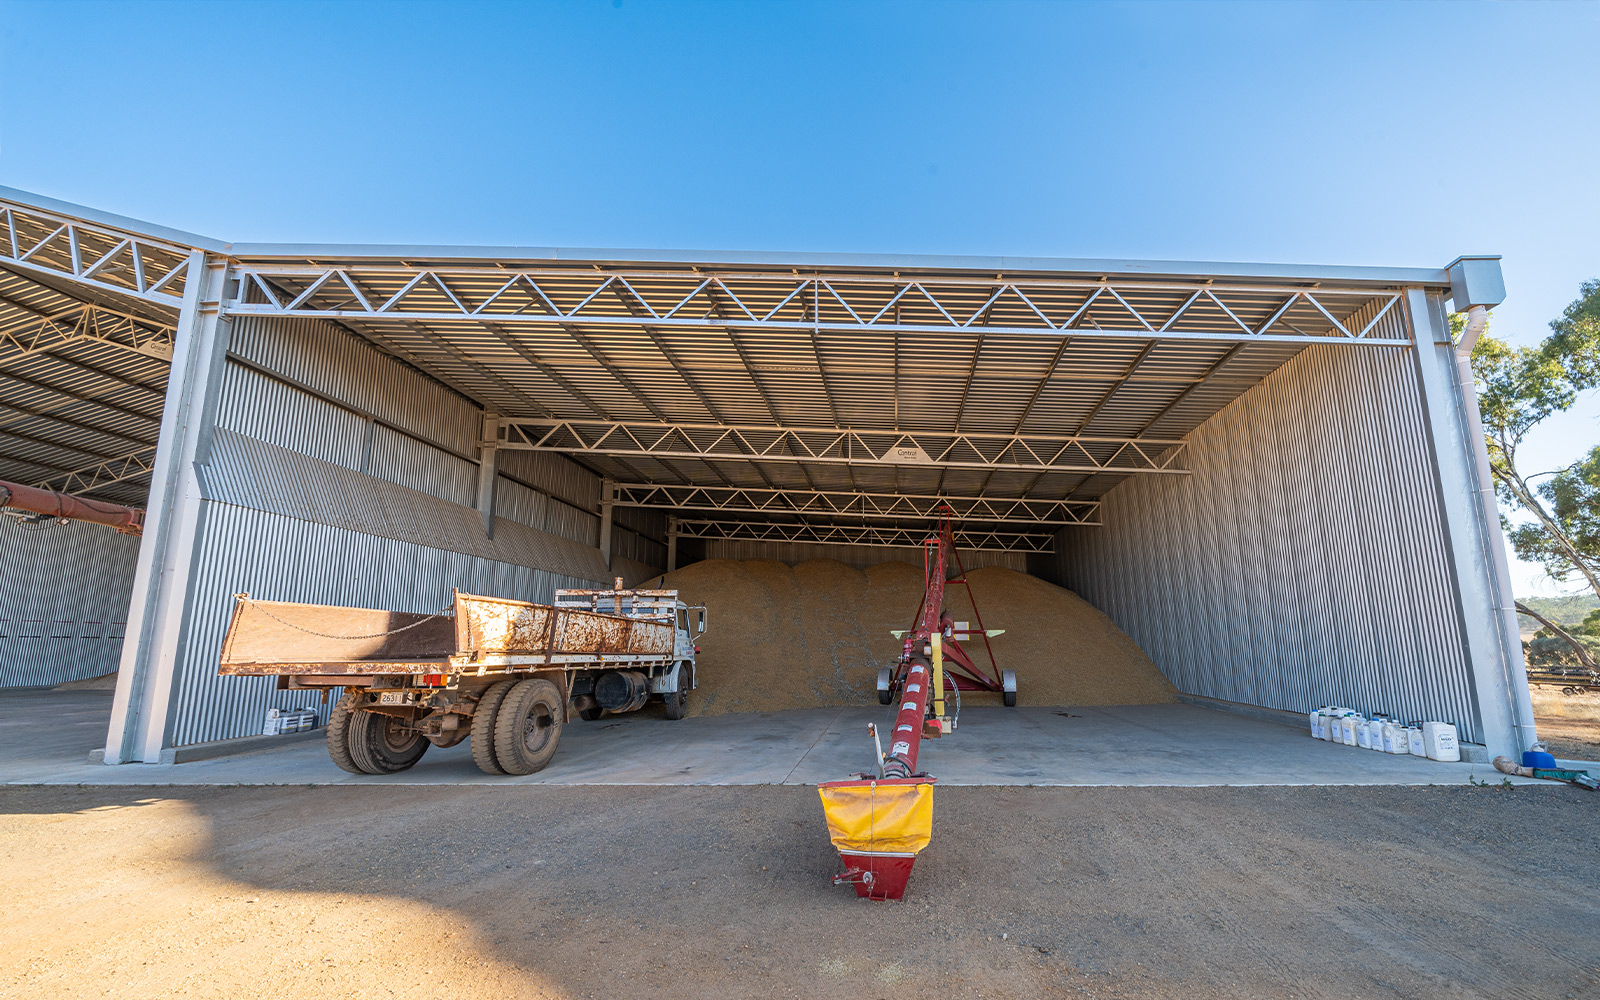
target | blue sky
[{"x": 1325, "y": 133}]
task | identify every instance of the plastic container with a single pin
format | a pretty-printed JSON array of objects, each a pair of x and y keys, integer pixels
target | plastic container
[
  {"x": 1414, "y": 742},
  {"x": 1364, "y": 734},
  {"x": 1439, "y": 740},
  {"x": 1347, "y": 728},
  {"x": 1315, "y": 718},
  {"x": 1394, "y": 738},
  {"x": 1330, "y": 723},
  {"x": 1375, "y": 733},
  {"x": 274, "y": 722},
  {"x": 1538, "y": 755}
]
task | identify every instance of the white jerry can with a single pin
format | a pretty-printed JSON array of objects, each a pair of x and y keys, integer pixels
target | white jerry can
[
  {"x": 1375, "y": 733},
  {"x": 1364, "y": 734},
  {"x": 1315, "y": 718},
  {"x": 1347, "y": 728},
  {"x": 1330, "y": 724},
  {"x": 1394, "y": 738},
  {"x": 1439, "y": 739},
  {"x": 1414, "y": 740}
]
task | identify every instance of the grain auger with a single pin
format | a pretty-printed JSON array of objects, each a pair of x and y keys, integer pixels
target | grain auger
[
  {"x": 880, "y": 820},
  {"x": 31, "y": 505}
]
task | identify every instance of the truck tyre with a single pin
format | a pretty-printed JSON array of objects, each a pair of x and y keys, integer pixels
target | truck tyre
[
  {"x": 339, "y": 734},
  {"x": 383, "y": 744},
  {"x": 677, "y": 700},
  {"x": 483, "y": 727},
  {"x": 528, "y": 726}
]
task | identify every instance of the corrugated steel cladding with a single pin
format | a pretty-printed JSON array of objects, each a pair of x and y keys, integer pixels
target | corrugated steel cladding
[
  {"x": 1302, "y": 564},
  {"x": 66, "y": 622},
  {"x": 338, "y": 475}
]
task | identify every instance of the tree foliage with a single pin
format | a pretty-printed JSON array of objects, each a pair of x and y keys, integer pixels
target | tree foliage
[
  {"x": 1572, "y": 498},
  {"x": 1518, "y": 387},
  {"x": 1575, "y": 337}
]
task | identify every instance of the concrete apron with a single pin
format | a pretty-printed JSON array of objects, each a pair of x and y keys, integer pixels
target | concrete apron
[{"x": 1138, "y": 745}]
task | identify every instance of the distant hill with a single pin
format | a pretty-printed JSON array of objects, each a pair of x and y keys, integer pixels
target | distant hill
[{"x": 1561, "y": 610}]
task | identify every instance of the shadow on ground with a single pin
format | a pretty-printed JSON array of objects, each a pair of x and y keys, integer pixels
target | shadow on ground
[{"x": 723, "y": 892}]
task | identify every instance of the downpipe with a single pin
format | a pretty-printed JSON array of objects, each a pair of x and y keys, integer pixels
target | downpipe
[{"x": 1511, "y": 643}]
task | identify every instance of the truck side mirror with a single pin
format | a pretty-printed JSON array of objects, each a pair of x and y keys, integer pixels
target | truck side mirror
[{"x": 700, "y": 621}]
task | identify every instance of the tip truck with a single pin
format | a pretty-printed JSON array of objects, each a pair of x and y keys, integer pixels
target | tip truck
[{"x": 504, "y": 675}]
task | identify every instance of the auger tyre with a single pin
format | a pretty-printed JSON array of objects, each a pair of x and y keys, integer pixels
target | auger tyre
[
  {"x": 383, "y": 744},
  {"x": 885, "y": 686},
  {"x": 528, "y": 726},
  {"x": 482, "y": 735},
  {"x": 1008, "y": 687}
]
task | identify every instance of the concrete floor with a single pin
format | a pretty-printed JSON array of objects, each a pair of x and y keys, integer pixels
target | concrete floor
[{"x": 46, "y": 736}]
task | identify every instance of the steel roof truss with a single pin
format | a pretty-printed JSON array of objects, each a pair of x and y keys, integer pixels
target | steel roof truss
[
  {"x": 134, "y": 465},
  {"x": 910, "y": 449},
  {"x": 1380, "y": 314},
  {"x": 758, "y": 300},
  {"x": 848, "y": 503},
  {"x": 100, "y": 257},
  {"x": 855, "y": 534},
  {"x": 90, "y": 324}
]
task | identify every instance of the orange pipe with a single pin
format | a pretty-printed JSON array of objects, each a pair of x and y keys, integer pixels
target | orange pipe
[{"x": 127, "y": 520}]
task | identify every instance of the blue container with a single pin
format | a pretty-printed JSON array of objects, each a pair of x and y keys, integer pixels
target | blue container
[{"x": 1538, "y": 758}]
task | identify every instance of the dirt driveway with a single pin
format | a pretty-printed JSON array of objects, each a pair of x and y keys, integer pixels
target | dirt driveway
[{"x": 621, "y": 892}]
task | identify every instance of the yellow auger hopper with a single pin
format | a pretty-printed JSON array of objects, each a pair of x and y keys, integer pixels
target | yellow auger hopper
[{"x": 878, "y": 826}]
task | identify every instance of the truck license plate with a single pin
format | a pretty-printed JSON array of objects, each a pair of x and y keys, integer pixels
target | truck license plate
[{"x": 392, "y": 698}]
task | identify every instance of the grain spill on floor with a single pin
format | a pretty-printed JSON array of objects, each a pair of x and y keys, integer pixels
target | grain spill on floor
[{"x": 815, "y": 634}]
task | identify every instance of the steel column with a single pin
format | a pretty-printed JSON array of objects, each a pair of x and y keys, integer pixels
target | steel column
[
  {"x": 147, "y": 675},
  {"x": 1499, "y": 678},
  {"x": 672, "y": 542},
  {"x": 488, "y": 448},
  {"x": 608, "y": 497}
]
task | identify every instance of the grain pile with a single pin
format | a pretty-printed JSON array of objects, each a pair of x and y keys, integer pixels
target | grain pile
[{"x": 815, "y": 634}]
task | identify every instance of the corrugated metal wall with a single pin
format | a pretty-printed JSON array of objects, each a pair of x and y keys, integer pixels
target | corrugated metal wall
[
  {"x": 1303, "y": 563},
  {"x": 275, "y": 557},
  {"x": 859, "y": 556},
  {"x": 64, "y": 605},
  {"x": 338, "y": 475}
]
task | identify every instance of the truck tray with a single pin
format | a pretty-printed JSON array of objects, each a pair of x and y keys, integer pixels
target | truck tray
[{"x": 478, "y": 635}]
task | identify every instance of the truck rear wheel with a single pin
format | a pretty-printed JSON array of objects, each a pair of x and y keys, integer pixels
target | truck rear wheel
[
  {"x": 383, "y": 744},
  {"x": 483, "y": 727},
  {"x": 339, "y": 734},
  {"x": 528, "y": 726}
]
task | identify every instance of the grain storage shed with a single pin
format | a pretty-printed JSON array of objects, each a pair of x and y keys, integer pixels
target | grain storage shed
[{"x": 1270, "y": 476}]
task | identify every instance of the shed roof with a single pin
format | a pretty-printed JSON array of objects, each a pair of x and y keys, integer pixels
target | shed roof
[{"x": 817, "y": 380}]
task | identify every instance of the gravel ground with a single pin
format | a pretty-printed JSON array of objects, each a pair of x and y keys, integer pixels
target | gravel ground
[{"x": 622, "y": 892}]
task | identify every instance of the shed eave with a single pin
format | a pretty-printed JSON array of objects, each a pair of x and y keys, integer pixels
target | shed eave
[{"x": 1078, "y": 267}]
